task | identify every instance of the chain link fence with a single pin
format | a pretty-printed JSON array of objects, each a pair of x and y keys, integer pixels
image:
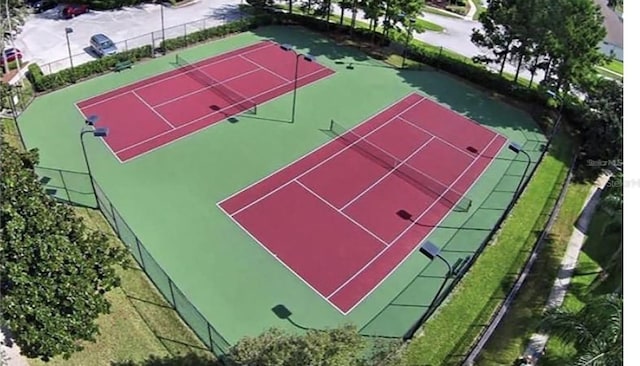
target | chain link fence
[
  {"x": 154, "y": 39},
  {"x": 187, "y": 311}
]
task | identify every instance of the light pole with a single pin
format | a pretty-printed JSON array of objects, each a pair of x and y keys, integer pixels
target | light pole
[
  {"x": 412, "y": 22},
  {"x": 164, "y": 52},
  {"x": 557, "y": 121},
  {"x": 68, "y": 31},
  {"x": 518, "y": 149},
  {"x": 97, "y": 132},
  {"x": 432, "y": 251},
  {"x": 306, "y": 57}
]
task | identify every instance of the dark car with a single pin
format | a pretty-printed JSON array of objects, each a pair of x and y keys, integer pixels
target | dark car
[
  {"x": 39, "y": 6},
  {"x": 11, "y": 54},
  {"x": 70, "y": 11}
]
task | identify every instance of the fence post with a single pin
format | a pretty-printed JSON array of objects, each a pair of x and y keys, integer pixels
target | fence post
[
  {"x": 144, "y": 267},
  {"x": 173, "y": 296},
  {"x": 210, "y": 337},
  {"x": 113, "y": 217},
  {"x": 153, "y": 45}
]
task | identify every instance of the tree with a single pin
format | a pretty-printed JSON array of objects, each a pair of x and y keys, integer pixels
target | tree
[
  {"x": 601, "y": 123},
  {"x": 614, "y": 3},
  {"x": 496, "y": 34},
  {"x": 611, "y": 202},
  {"x": 576, "y": 31},
  {"x": 54, "y": 272},
  {"x": 528, "y": 28},
  {"x": 334, "y": 347},
  {"x": 595, "y": 330}
]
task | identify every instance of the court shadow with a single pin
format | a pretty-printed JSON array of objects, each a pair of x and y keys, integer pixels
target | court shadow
[
  {"x": 283, "y": 313},
  {"x": 268, "y": 119},
  {"x": 352, "y": 65},
  {"x": 405, "y": 215}
]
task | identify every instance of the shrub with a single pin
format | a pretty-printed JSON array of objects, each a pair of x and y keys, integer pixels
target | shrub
[
  {"x": 204, "y": 35},
  {"x": 34, "y": 75},
  {"x": 65, "y": 77}
]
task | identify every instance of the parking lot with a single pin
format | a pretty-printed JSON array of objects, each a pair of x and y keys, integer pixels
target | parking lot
[{"x": 43, "y": 38}]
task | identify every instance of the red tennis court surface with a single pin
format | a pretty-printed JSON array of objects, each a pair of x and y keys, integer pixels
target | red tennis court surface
[
  {"x": 342, "y": 221},
  {"x": 156, "y": 111}
]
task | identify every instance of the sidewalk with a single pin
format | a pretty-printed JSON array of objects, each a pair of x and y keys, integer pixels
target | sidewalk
[
  {"x": 538, "y": 341},
  {"x": 9, "y": 351}
]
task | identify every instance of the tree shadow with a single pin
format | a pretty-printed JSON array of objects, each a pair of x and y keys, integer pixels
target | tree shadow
[{"x": 226, "y": 13}]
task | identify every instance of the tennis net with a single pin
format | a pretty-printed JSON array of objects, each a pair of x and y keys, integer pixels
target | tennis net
[
  {"x": 457, "y": 201},
  {"x": 236, "y": 99}
]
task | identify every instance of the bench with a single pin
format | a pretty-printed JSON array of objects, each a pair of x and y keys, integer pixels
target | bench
[{"x": 121, "y": 65}]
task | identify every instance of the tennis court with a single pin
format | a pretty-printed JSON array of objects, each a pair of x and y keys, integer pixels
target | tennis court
[
  {"x": 333, "y": 217},
  {"x": 323, "y": 216},
  {"x": 154, "y": 112}
]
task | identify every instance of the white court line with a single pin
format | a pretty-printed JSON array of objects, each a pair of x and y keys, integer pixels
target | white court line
[
  {"x": 386, "y": 108},
  {"x": 266, "y": 69},
  {"x": 340, "y": 212},
  {"x": 421, "y": 241},
  {"x": 103, "y": 139},
  {"x": 207, "y": 88},
  {"x": 169, "y": 77},
  {"x": 280, "y": 260},
  {"x": 200, "y": 129},
  {"x": 468, "y": 119},
  {"x": 410, "y": 225},
  {"x": 313, "y": 167},
  {"x": 152, "y": 109},
  {"x": 438, "y": 137},
  {"x": 389, "y": 173}
]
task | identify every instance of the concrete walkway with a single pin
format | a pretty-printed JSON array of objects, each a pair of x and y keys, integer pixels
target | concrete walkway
[
  {"x": 9, "y": 351},
  {"x": 560, "y": 287},
  {"x": 472, "y": 10}
]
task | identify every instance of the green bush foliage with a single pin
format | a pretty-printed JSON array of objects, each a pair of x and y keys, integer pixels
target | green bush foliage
[
  {"x": 66, "y": 77},
  {"x": 54, "y": 271}
]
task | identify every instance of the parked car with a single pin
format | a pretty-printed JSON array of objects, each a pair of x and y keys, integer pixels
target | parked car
[
  {"x": 102, "y": 45},
  {"x": 70, "y": 11},
  {"x": 39, "y": 6},
  {"x": 11, "y": 54}
]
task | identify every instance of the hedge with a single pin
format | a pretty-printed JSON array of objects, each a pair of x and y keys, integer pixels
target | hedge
[
  {"x": 62, "y": 78},
  {"x": 66, "y": 77},
  {"x": 475, "y": 73}
]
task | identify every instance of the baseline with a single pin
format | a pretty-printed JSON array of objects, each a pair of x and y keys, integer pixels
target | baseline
[
  {"x": 176, "y": 73},
  {"x": 412, "y": 223},
  {"x": 202, "y": 118},
  {"x": 304, "y": 172}
]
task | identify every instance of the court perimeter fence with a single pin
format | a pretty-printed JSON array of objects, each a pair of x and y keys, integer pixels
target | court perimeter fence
[
  {"x": 77, "y": 188},
  {"x": 187, "y": 311},
  {"x": 153, "y": 39}
]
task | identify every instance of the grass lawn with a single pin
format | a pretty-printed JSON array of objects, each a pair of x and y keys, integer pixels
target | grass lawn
[
  {"x": 615, "y": 66},
  {"x": 141, "y": 324},
  {"x": 512, "y": 335},
  {"x": 335, "y": 18},
  {"x": 596, "y": 253},
  {"x": 423, "y": 24},
  {"x": 438, "y": 11},
  {"x": 480, "y": 292},
  {"x": 606, "y": 73},
  {"x": 480, "y": 8}
]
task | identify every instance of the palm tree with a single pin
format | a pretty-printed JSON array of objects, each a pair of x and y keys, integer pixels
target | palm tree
[{"x": 595, "y": 330}]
